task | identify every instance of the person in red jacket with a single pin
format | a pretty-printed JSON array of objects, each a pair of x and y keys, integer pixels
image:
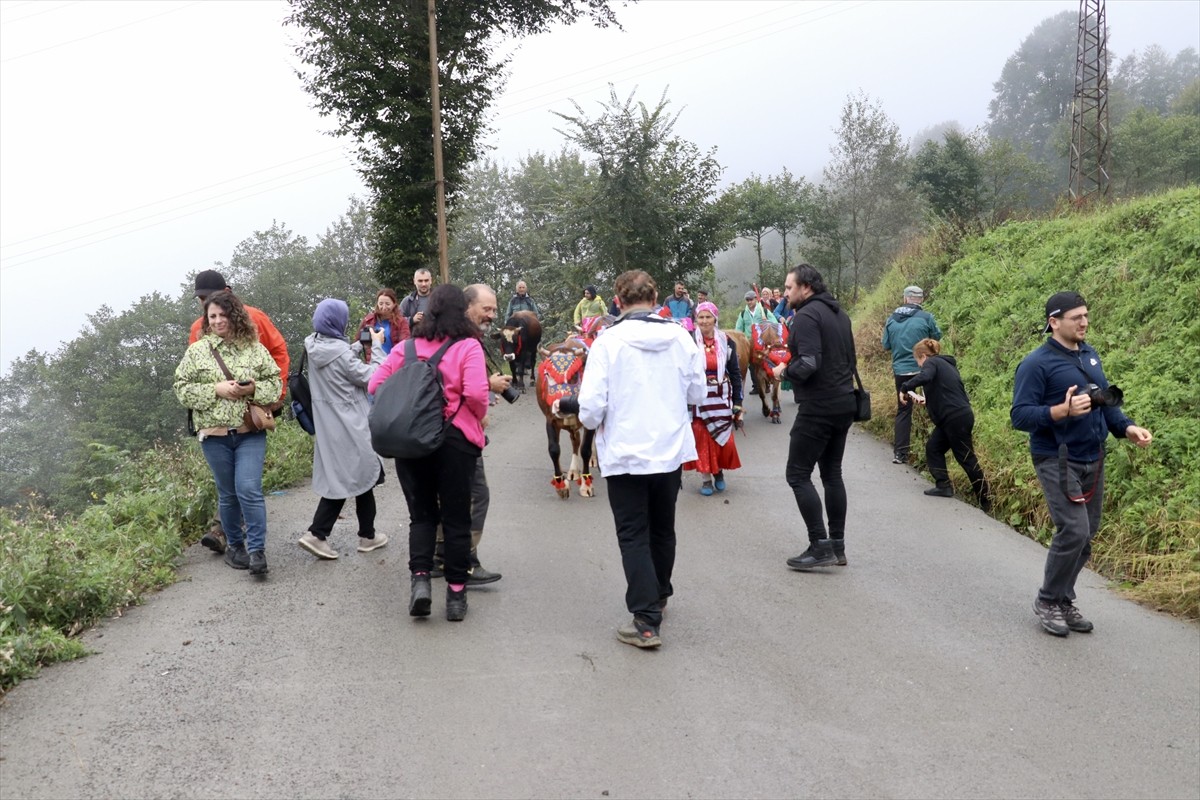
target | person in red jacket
[
  {"x": 387, "y": 317},
  {"x": 210, "y": 281}
]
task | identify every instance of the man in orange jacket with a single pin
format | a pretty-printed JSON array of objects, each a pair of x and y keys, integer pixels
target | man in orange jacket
[{"x": 210, "y": 281}]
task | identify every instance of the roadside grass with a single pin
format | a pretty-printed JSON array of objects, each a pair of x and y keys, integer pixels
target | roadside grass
[
  {"x": 59, "y": 575},
  {"x": 1138, "y": 265}
]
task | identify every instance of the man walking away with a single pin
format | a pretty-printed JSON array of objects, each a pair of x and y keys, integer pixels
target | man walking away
[
  {"x": 1062, "y": 399},
  {"x": 907, "y": 325},
  {"x": 822, "y": 374},
  {"x": 642, "y": 374}
]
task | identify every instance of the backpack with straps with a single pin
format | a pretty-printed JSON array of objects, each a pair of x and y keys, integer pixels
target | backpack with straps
[
  {"x": 301, "y": 395},
  {"x": 408, "y": 419}
]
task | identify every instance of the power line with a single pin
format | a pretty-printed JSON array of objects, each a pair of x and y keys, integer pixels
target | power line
[
  {"x": 97, "y": 33},
  {"x": 39, "y": 13}
]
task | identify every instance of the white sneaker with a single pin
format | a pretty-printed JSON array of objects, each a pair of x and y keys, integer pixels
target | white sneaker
[
  {"x": 317, "y": 547},
  {"x": 367, "y": 545}
]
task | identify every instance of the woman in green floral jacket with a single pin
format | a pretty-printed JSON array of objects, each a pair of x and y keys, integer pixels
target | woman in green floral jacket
[{"x": 234, "y": 452}]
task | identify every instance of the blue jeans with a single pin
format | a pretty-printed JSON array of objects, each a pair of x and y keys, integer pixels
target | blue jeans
[{"x": 236, "y": 462}]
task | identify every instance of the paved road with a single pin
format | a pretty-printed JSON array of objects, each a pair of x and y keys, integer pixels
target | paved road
[{"x": 917, "y": 671}]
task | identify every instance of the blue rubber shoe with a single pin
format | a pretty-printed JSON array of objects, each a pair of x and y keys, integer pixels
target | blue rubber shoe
[
  {"x": 719, "y": 482},
  {"x": 706, "y": 489}
]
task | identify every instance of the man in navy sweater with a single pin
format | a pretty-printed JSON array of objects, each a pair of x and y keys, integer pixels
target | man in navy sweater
[{"x": 1062, "y": 399}]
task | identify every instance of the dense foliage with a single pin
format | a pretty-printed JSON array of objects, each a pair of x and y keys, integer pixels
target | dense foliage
[
  {"x": 60, "y": 574},
  {"x": 367, "y": 65},
  {"x": 1138, "y": 265}
]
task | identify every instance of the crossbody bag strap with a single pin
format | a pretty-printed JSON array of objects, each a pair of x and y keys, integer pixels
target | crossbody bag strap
[{"x": 221, "y": 362}]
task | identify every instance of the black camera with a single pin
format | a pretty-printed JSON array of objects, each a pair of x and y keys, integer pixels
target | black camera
[
  {"x": 511, "y": 394},
  {"x": 1112, "y": 396},
  {"x": 364, "y": 337}
]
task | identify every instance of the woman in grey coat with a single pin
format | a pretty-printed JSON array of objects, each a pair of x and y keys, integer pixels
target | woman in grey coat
[{"x": 344, "y": 464}]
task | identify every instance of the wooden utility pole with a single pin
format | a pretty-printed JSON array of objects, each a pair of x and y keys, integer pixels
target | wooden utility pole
[{"x": 439, "y": 178}]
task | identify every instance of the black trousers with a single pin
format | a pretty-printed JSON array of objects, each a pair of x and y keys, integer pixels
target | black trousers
[
  {"x": 955, "y": 435},
  {"x": 643, "y": 508},
  {"x": 329, "y": 508},
  {"x": 437, "y": 489},
  {"x": 819, "y": 442},
  {"x": 902, "y": 430}
]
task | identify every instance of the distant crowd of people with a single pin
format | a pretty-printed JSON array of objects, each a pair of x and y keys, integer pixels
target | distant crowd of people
[{"x": 661, "y": 397}]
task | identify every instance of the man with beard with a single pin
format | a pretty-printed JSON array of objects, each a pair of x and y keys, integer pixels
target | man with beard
[
  {"x": 1063, "y": 400},
  {"x": 481, "y": 310},
  {"x": 413, "y": 306},
  {"x": 822, "y": 374}
]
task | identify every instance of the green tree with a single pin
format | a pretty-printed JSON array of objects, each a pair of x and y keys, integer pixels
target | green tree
[
  {"x": 794, "y": 199},
  {"x": 949, "y": 177},
  {"x": 1034, "y": 91},
  {"x": 753, "y": 213},
  {"x": 1154, "y": 79},
  {"x": 652, "y": 204},
  {"x": 867, "y": 179},
  {"x": 367, "y": 64}
]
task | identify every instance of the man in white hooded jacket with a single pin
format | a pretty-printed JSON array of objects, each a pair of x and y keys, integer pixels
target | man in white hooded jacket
[{"x": 642, "y": 374}]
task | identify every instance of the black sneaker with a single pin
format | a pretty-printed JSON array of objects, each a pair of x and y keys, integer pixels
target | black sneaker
[
  {"x": 939, "y": 491},
  {"x": 421, "y": 600},
  {"x": 1051, "y": 617},
  {"x": 258, "y": 563},
  {"x": 899, "y": 460},
  {"x": 1074, "y": 619},
  {"x": 235, "y": 556},
  {"x": 818, "y": 554},
  {"x": 456, "y": 604},
  {"x": 839, "y": 551},
  {"x": 478, "y": 576}
]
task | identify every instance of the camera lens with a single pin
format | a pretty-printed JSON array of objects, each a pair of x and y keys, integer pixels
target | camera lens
[{"x": 511, "y": 394}]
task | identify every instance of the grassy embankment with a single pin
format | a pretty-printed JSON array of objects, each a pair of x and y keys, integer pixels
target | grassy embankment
[
  {"x": 60, "y": 575},
  {"x": 1138, "y": 265}
]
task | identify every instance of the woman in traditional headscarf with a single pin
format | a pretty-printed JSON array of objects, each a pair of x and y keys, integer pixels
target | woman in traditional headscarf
[
  {"x": 344, "y": 463},
  {"x": 592, "y": 305},
  {"x": 713, "y": 421}
]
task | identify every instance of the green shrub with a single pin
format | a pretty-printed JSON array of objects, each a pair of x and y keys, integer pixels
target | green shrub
[
  {"x": 1138, "y": 265},
  {"x": 59, "y": 575}
]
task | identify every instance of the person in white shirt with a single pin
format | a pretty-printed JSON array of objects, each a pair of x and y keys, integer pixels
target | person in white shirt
[{"x": 642, "y": 374}]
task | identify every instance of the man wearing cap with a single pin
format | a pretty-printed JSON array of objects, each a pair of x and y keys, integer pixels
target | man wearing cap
[
  {"x": 907, "y": 325},
  {"x": 1067, "y": 433},
  {"x": 210, "y": 281},
  {"x": 754, "y": 312}
]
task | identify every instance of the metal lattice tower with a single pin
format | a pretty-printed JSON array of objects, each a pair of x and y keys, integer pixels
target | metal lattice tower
[{"x": 1089, "y": 119}]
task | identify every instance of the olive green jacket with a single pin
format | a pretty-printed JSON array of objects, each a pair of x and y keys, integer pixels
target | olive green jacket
[{"x": 198, "y": 374}]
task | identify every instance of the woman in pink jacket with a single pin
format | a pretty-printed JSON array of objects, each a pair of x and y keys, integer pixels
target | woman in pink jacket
[{"x": 437, "y": 487}]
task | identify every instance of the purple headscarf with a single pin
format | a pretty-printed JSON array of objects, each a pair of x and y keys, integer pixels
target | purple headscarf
[
  {"x": 331, "y": 317},
  {"x": 709, "y": 307}
]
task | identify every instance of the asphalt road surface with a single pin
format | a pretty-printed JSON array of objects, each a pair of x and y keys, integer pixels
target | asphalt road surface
[{"x": 917, "y": 671}]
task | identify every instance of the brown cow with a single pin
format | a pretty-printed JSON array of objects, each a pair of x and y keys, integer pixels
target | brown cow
[
  {"x": 519, "y": 340},
  {"x": 768, "y": 349},
  {"x": 559, "y": 375}
]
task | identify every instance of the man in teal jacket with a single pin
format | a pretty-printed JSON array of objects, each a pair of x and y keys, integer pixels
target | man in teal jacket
[{"x": 907, "y": 325}]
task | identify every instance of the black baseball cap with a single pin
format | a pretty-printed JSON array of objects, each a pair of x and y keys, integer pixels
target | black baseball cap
[
  {"x": 1061, "y": 303},
  {"x": 209, "y": 281}
]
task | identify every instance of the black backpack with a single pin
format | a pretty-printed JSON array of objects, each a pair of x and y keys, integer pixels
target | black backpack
[
  {"x": 302, "y": 396},
  {"x": 408, "y": 417}
]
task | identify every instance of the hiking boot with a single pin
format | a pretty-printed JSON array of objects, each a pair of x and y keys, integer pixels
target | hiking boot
[
  {"x": 366, "y": 545},
  {"x": 318, "y": 547},
  {"x": 258, "y": 563},
  {"x": 818, "y": 554},
  {"x": 1051, "y": 617},
  {"x": 421, "y": 599},
  {"x": 639, "y": 634},
  {"x": 214, "y": 539},
  {"x": 478, "y": 576},
  {"x": 839, "y": 551},
  {"x": 456, "y": 604},
  {"x": 1074, "y": 619},
  {"x": 940, "y": 491},
  {"x": 235, "y": 556},
  {"x": 985, "y": 503}
]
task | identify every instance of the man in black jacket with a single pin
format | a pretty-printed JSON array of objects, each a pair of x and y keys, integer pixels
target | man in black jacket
[{"x": 822, "y": 372}]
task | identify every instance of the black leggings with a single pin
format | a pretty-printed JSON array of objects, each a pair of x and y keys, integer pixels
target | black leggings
[
  {"x": 328, "y": 510},
  {"x": 954, "y": 434}
]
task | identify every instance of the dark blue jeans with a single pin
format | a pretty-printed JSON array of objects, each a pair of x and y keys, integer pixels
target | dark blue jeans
[
  {"x": 236, "y": 462},
  {"x": 819, "y": 441},
  {"x": 643, "y": 508}
]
